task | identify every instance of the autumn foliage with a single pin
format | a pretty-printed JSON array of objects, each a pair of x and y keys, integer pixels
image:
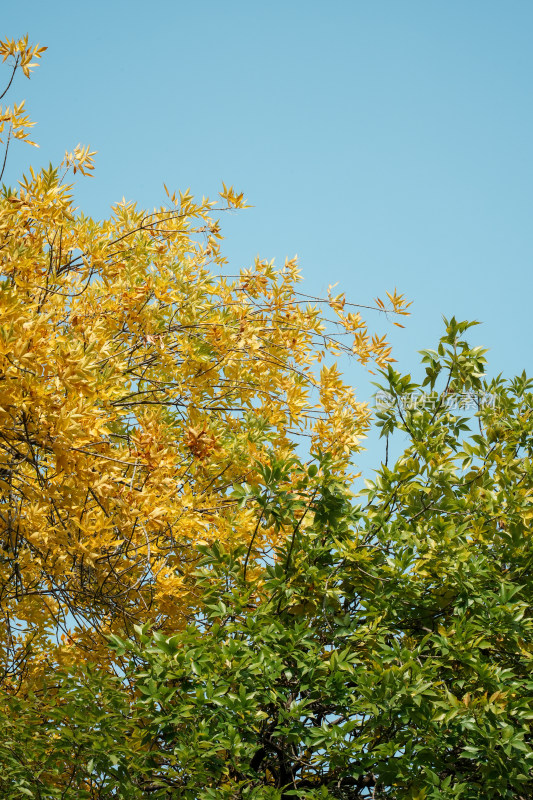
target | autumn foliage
[{"x": 139, "y": 384}]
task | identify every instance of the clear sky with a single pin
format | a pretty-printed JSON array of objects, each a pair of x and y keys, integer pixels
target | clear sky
[{"x": 388, "y": 143}]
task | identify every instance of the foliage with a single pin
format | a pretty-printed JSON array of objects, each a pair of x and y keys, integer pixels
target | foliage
[
  {"x": 387, "y": 650},
  {"x": 139, "y": 383},
  {"x": 61, "y": 741}
]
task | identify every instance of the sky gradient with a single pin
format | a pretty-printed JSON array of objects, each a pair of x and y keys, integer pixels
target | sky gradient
[{"x": 388, "y": 144}]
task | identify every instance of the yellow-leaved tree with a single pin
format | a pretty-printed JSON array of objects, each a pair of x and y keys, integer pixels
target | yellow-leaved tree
[{"x": 139, "y": 383}]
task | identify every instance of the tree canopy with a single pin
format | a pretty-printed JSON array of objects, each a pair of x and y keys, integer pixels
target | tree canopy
[
  {"x": 193, "y": 606},
  {"x": 385, "y": 652},
  {"x": 139, "y": 382}
]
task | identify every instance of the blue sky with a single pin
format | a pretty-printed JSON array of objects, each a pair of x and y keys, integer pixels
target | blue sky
[{"x": 388, "y": 144}]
